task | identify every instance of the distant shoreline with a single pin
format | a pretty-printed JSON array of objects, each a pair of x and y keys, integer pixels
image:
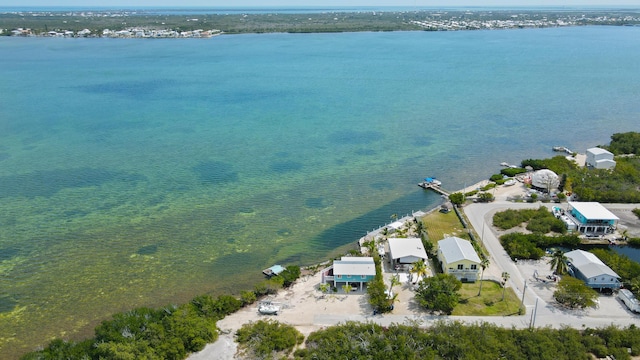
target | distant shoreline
[{"x": 79, "y": 22}]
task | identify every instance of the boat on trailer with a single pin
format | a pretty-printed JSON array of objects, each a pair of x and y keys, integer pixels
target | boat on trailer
[{"x": 268, "y": 308}]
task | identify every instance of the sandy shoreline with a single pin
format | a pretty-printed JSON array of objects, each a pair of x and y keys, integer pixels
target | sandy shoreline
[{"x": 306, "y": 308}]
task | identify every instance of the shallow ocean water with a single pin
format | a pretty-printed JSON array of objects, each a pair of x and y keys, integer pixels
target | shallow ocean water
[{"x": 145, "y": 172}]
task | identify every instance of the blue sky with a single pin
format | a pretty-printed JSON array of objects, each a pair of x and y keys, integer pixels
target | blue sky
[{"x": 333, "y": 3}]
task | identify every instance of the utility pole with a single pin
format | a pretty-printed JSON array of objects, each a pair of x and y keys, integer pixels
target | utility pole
[
  {"x": 534, "y": 313},
  {"x": 523, "y": 290}
]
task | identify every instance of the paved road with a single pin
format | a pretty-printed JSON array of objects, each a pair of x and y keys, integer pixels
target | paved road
[{"x": 547, "y": 313}]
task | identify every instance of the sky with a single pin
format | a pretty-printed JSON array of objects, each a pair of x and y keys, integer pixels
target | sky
[{"x": 329, "y": 3}]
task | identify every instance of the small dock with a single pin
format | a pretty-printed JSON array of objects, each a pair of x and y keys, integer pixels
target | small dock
[
  {"x": 562, "y": 149},
  {"x": 435, "y": 187}
]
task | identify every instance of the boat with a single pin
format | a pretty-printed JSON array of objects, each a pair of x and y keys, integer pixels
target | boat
[
  {"x": 504, "y": 164},
  {"x": 510, "y": 182},
  {"x": 268, "y": 308},
  {"x": 432, "y": 181}
]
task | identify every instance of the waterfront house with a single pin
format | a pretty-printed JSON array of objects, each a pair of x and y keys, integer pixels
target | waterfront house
[
  {"x": 588, "y": 268},
  {"x": 593, "y": 218},
  {"x": 404, "y": 251},
  {"x": 459, "y": 258},
  {"x": 598, "y": 158},
  {"x": 356, "y": 271}
]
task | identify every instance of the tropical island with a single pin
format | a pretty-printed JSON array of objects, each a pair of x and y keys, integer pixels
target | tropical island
[
  {"x": 415, "y": 307},
  {"x": 152, "y": 23}
]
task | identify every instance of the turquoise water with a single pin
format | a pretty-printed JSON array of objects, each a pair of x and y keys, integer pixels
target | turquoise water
[{"x": 144, "y": 172}]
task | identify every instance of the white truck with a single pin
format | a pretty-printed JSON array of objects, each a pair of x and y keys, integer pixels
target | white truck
[{"x": 628, "y": 299}]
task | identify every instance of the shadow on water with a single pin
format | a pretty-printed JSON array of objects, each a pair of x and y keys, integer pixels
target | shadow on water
[
  {"x": 7, "y": 303},
  {"x": 352, "y": 137},
  {"x": 215, "y": 172},
  {"x": 148, "y": 250},
  {"x": 9, "y": 253},
  {"x": 47, "y": 183},
  {"x": 129, "y": 89},
  {"x": 286, "y": 166},
  {"x": 354, "y": 229}
]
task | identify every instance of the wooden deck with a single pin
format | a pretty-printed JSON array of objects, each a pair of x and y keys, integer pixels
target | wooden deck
[{"x": 428, "y": 186}]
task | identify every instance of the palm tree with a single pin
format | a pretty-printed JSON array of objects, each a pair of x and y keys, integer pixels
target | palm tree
[
  {"x": 419, "y": 268},
  {"x": 370, "y": 246},
  {"x": 395, "y": 280},
  {"x": 484, "y": 264},
  {"x": 505, "y": 278},
  {"x": 559, "y": 262},
  {"x": 347, "y": 288},
  {"x": 324, "y": 287},
  {"x": 420, "y": 229}
]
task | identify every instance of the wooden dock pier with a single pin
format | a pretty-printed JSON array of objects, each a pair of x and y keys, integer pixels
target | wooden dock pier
[{"x": 431, "y": 186}]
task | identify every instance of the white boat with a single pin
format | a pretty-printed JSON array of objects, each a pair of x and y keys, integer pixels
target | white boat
[
  {"x": 267, "y": 308},
  {"x": 510, "y": 182}
]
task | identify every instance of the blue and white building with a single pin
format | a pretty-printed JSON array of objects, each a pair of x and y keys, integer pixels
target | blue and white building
[
  {"x": 593, "y": 218},
  {"x": 355, "y": 271}
]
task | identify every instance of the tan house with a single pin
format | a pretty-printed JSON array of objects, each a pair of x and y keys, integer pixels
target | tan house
[{"x": 459, "y": 258}]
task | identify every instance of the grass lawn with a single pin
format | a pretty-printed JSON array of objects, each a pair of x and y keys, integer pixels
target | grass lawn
[
  {"x": 441, "y": 225},
  {"x": 489, "y": 303}
]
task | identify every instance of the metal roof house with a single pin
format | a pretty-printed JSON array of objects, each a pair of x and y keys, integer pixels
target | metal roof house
[
  {"x": 350, "y": 270},
  {"x": 406, "y": 250},
  {"x": 592, "y": 217},
  {"x": 598, "y": 158},
  {"x": 459, "y": 258},
  {"x": 588, "y": 268}
]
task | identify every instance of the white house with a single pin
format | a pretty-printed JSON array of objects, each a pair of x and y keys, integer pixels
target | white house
[
  {"x": 598, "y": 158},
  {"x": 459, "y": 258},
  {"x": 406, "y": 251},
  {"x": 588, "y": 268}
]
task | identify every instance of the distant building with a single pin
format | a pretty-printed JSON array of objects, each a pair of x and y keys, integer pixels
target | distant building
[
  {"x": 356, "y": 271},
  {"x": 598, "y": 158},
  {"x": 588, "y": 268},
  {"x": 593, "y": 218},
  {"x": 459, "y": 258}
]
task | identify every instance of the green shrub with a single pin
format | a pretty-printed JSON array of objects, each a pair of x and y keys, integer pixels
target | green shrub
[
  {"x": 511, "y": 172},
  {"x": 248, "y": 297},
  {"x": 261, "y": 338}
]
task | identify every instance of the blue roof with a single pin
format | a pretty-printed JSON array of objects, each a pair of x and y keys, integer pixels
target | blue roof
[
  {"x": 277, "y": 269},
  {"x": 429, "y": 179}
]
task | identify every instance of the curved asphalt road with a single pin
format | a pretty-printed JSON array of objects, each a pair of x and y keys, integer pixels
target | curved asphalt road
[{"x": 610, "y": 311}]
